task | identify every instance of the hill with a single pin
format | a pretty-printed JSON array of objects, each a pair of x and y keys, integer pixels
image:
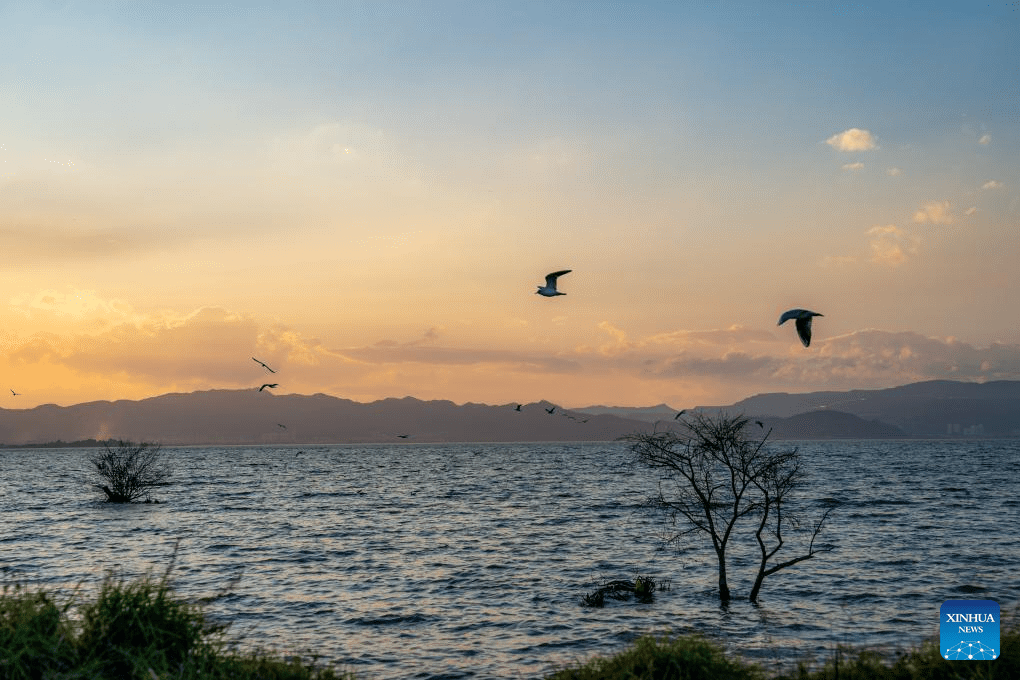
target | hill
[
  {"x": 252, "y": 417},
  {"x": 935, "y": 408}
]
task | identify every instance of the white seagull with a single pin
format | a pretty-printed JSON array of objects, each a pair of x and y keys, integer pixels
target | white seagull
[
  {"x": 803, "y": 317},
  {"x": 549, "y": 289}
]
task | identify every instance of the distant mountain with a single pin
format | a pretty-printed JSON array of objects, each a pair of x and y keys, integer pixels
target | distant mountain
[
  {"x": 936, "y": 408},
  {"x": 830, "y": 425},
  {"x": 647, "y": 413},
  {"x": 252, "y": 417},
  {"x": 929, "y": 409}
]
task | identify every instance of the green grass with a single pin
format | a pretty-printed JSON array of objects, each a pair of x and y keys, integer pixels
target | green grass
[
  {"x": 131, "y": 630},
  {"x": 142, "y": 630},
  {"x": 694, "y": 658},
  {"x": 651, "y": 658}
]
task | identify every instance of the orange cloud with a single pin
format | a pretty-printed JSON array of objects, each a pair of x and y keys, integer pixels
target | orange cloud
[
  {"x": 853, "y": 139},
  {"x": 891, "y": 245},
  {"x": 935, "y": 213}
]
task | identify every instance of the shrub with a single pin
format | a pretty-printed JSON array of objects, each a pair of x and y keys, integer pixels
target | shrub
[
  {"x": 128, "y": 471},
  {"x": 650, "y": 658},
  {"x": 138, "y": 630},
  {"x": 141, "y": 624}
]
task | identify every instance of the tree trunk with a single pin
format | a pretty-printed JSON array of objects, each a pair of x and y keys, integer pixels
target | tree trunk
[
  {"x": 724, "y": 588},
  {"x": 753, "y": 597},
  {"x": 113, "y": 497}
]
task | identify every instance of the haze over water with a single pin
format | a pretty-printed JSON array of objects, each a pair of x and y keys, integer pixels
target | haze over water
[{"x": 471, "y": 560}]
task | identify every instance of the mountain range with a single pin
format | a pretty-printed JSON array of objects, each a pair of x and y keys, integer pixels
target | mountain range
[{"x": 228, "y": 417}]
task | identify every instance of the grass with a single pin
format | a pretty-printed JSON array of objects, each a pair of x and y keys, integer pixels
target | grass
[
  {"x": 131, "y": 630},
  {"x": 142, "y": 630},
  {"x": 695, "y": 658}
]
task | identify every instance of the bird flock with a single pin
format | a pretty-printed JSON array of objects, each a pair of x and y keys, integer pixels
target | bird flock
[{"x": 801, "y": 317}]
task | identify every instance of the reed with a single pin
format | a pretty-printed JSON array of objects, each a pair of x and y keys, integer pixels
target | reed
[{"x": 132, "y": 630}]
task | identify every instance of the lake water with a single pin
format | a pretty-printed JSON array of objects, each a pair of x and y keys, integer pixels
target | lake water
[{"x": 467, "y": 560}]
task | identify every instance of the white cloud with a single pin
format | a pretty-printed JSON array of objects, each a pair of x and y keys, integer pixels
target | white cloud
[
  {"x": 830, "y": 261},
  {"x": 853, "y": 139},
  {"x": 891, "y": 245},
  {"x": 985, "y": 140},
  {"x": 970, "y": 211},
  {"x": 991, "y": 184},
  {"x": 935, "y": 213},
  {"x": 854, "y": 166},
  {"x": 893, "y": 172}
]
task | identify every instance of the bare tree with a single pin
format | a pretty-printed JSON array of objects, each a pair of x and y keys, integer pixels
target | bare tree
[
  {"x": 721, "y": 474},
  {"x": 127, "y": 471}
]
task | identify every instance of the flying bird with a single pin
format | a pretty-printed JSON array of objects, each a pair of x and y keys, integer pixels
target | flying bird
[
  {"x": 803, "y": 322},
  {"x": 550, "y": 410},
  {"x": 16, "y": 394},
  {"x": 283, "y": 426},
  {"x": 517, "y": 407},
  {"x": 270, "y": 385},
  {"x": 262, "y": 365},
  {"x": 403, "y": 436},
  {"x": 549, "y": 289}
]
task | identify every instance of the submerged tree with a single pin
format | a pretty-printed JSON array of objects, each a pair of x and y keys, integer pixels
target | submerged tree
[
  {"x": 720, "y": 474},
  {"x": 128, "y": 471}
]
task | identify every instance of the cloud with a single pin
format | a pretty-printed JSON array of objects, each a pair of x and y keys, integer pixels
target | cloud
[
  {"x": 387, "y": 353},
  {"x": 935, "y": 213},
  {"x": 893, "y": 172},
  {"x": 891, "y": 245},
  {"x": 830, "y": 261},
  {"x": 862, "y": 359},
  {"x": 673, "y": 341},
  {"x": 853, "y": 139},
  {"x": 730, "y": 365},
  {"x": 970, "y": 211},
  {"x": 205, "y": 344},
  {"x": 81, "y": 306},
  {"x": 854, "y": 166},
  {"x": 991, "y": 184},
  {"x": 985, "y": 140}
]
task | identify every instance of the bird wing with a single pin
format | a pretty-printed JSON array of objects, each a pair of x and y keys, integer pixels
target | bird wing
[
  {"x": 804, "y": 329},
  {"x": 790, "y": 314},
  {"x": 550, "y": 279},
  {"x": 262, "y": 364}
]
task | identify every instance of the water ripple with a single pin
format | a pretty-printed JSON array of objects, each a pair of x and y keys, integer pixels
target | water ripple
[{"x": 456, "y": 561}]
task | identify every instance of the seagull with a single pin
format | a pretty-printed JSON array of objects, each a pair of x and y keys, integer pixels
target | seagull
[
  {"x": 549, "y": 289},
  {"x": 268, "y": 385},
  {"x": 803, "y": 318},
  {"x": 262, "y": 365},
  {"x": 283, "y": 426},
  {"x": 403, "y": 436},
  {"x": 550, "y": 410}
]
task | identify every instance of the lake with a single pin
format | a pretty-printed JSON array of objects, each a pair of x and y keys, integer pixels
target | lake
[{"x": 470, "y": 560}]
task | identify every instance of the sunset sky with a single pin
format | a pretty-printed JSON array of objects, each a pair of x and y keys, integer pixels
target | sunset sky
[{"x": 366, "y": 195}]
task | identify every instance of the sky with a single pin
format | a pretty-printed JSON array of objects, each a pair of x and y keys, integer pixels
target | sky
[{"x": 366, "y": 195}]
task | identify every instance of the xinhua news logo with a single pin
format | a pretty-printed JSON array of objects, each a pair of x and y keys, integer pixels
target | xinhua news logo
[{"x": 969, "y": 630}]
